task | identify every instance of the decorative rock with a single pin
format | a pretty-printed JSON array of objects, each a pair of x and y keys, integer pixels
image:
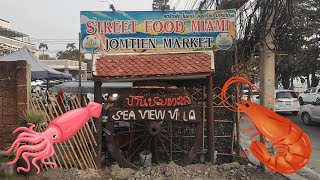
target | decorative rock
[
  {"x": 136, "y": 175},
  {"x": 214, "y": 168},
  {"x": 241, "y": 168},
  {"x": 168, "y": 173},
  {"x": 197, "y": 179}
]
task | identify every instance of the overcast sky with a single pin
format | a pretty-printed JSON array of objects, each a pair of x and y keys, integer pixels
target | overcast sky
[
  {"x": 58, "y": 19},
  {"x": 57, "y": 22}
]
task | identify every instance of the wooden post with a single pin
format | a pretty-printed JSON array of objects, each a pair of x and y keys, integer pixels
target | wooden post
[
  {"x": 98, "y": 124},
  {"x": 210, "y": 122},
  {"x": 80, "y": 70}
]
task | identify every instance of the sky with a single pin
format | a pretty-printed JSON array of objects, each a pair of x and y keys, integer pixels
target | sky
[{"x": 57, "y": 22}]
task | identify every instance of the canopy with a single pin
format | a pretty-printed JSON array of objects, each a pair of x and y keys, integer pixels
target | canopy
[{"x": 39, "y": 70}]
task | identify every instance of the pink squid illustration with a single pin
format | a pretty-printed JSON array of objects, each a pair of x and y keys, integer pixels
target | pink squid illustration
[{"x": 40, "y": 144}]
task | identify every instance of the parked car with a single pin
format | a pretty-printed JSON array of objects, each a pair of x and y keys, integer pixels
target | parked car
[
  {"x": 310, "y": 113},
  {"x": 287, "y": 101},
  {"x": 310, "y": 95},
  {"x": 253, "y": 96}
]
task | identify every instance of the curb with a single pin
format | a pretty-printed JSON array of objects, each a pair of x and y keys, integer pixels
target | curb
[
  {"x": 294, "y": 176},
  {"x": 308, "y": 173}
]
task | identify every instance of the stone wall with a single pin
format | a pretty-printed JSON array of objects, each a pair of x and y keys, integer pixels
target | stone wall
[{"x": 15, "y": 77}]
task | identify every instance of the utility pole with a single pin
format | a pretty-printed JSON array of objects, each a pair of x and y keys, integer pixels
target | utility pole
[
  {"x": 267, "y": 67},
  {"x": 80, "y": 69}
]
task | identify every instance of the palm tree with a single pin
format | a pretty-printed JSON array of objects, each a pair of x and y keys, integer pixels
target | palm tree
[
  {"x": 43, "y": 47},
  {"x": 72, "y": 51},
  {"x": 71, "y": 46}
]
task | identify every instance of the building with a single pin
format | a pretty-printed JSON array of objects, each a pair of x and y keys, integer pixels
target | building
[
  {"x": 68, "y": 66},
  {"x": 11, "y": 40}
]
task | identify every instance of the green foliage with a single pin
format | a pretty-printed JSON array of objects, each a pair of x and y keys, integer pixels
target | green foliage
[
  {"x": 45, "y": 57},
  {"x": 35, "y": 117},
  {"x": 43, "y": 46},
  {"x": 71, "y": 52}
]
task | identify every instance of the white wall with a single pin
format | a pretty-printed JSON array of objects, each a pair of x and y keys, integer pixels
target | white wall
[{"x": 5, "y": 24}]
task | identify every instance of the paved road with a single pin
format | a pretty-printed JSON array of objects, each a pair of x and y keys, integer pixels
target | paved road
[{"x": 313, "y": 132}]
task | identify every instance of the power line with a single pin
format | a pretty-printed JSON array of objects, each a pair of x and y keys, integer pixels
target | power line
[{"x": 185, "y": 7}]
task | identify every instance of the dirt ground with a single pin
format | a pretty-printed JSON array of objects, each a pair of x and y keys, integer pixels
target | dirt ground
[{"x": 159, "y": 172}]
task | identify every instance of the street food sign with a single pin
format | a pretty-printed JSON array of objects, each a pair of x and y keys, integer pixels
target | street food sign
[
  {"x": 173, "y": 108},
  {"x": 155, "y": 31}
]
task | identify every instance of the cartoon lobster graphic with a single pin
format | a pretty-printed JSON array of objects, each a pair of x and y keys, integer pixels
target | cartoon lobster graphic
[
  {"x": 292, "y": 145},
  {"x": 40, "y": 144}
]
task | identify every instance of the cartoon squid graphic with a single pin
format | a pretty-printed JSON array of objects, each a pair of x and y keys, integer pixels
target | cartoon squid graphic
[
  {"x": 292, "y": 145},
  {"x": 40, "y": 144}
]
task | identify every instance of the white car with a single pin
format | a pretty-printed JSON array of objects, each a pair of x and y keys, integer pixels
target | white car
[
  {"x": 310, "y": 113},
  {"x": 310, "y": 95},
  {"x": 287, "y": 101},
  {"x": 254, "y": 96}
]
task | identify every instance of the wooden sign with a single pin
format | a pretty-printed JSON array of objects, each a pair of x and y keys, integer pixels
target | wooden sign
[
  {"x": 188, "y": 113},
  {"x": 156, "y": 101}
]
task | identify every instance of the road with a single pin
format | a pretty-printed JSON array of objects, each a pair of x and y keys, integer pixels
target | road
[{"x": 313, "y": 132}]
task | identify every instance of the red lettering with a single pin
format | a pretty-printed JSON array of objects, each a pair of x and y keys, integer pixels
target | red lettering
[
  {"x": 218, "y": 26},
  {"x": 227, "y": 25},
  {"x": 202, "y": 25},
  {"x": 167, "y": 25},
  {"x": 90, "y": 27},
  {"x": 180, "y": 27},
  {"x": 125, "y": 27},
  {"x": 195, "y": 26},
  {"x": 133, "y": 26},
  {"x": 107, "y": 27},
  {"x": 141, "y": 101},
  {"x": 116, "y": 25},
  {"x": 99, "y": 27},
  {"x": 210, "y": 27},
  {"x": 157, "y": 26},
  {"x": 147, "y": 26}
]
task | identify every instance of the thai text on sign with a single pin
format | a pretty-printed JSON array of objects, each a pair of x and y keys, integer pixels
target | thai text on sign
[{"x": 156, "y": 101}]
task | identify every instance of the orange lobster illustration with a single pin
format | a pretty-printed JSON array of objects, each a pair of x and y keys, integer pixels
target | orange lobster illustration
[{"x": 292, "y": 145}]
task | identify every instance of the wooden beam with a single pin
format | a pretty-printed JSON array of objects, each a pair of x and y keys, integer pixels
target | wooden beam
[
  {"x": 148, "y": 78},
  {"x": 98, "y": 124},
  {"x": 210, "y": 120}
]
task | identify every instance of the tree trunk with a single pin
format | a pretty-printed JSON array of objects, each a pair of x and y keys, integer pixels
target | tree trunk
[
  {"x": 308, "y": 80},
  {"x": 314, "y": 79},
  {"x": 291, "y": 81},
  {"x": 285, "y": 80}
]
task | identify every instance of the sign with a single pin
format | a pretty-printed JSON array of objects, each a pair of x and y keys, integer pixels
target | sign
[
  {"x": 187, "y": 113},
  {"x": 156, "y": 101},
  {"x": 155, "y": 31}
]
